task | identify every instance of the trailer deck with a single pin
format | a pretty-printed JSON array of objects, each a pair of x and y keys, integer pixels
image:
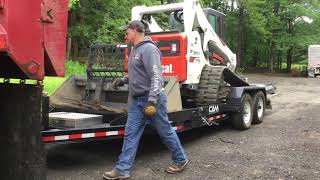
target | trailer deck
[{"x": 182, "y": 120}]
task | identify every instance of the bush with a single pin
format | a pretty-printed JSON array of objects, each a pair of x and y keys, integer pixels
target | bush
[
  {"x": 75, "y": 68},
  {"x": 295, "y": 72}
]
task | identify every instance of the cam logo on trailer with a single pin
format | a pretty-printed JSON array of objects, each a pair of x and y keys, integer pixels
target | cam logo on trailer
[{"x": 213, "y": 109}]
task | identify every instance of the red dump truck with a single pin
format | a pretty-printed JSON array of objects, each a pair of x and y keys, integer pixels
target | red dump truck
[
  {"x": 32, "y": 45},
  {"x": 32, "y": 38}
]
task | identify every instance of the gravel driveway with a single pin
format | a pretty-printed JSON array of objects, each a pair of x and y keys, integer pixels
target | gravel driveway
[{"x": 285, "y": 146}]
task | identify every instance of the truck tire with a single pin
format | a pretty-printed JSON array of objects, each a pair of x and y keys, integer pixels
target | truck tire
[
  {"x": 211, "y": 88},
  {"x": 242, "y": 120},
  {"x": 259, "y": 107}
]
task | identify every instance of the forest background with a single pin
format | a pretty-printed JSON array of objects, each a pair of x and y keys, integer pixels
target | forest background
[{"x": 268, "y": 35}]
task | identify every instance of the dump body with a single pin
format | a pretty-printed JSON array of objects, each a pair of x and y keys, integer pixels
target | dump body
[{"x": 32, "y": 38}]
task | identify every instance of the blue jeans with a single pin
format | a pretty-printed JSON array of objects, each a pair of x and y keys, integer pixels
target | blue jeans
[{"x": 136, "y": 123}]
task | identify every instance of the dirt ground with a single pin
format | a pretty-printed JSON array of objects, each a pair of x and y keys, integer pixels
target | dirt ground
[{"x": 285, "y": 146}]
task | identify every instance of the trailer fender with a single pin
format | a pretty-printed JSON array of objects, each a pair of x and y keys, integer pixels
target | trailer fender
[{"x": 236, "y": 93}]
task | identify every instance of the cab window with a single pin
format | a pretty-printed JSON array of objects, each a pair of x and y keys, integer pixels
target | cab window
[{"x": 213, "y": 21}]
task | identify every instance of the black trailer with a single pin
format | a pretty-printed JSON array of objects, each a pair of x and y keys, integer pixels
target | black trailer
[
  {"x": 244, "y": 106},
  {"x": 87, "y": 108}
]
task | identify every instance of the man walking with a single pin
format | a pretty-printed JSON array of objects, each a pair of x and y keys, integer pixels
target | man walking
[{"x": 148, "y": 104}]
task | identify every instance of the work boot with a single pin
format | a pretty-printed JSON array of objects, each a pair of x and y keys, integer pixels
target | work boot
[
  {"x": 114, "y": 175},
  {"x": 176, "y": 168}
]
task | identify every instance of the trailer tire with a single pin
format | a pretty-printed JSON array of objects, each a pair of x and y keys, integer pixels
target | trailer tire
[
  {"x": 242, "y": 120},
  {"x": 259, "y": 107}
]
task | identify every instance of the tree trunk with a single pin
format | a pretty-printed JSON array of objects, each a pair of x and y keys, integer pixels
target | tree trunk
[
  {"x": 267, "y": 56},
  {"x": 279, "y": 60},
  {"x": 255, "y": 57},
  {"x": 232, "y": 6},
  {"x": 272, "y": 56},
  {"x": 74, "y": 48},
  {"x": 290, "y": 51},
  {"x": 289, "y": 58},
  {"x": 71, "y": 22},
  {"x": 240, "y": 43},
  {"x": 69, "y": 48}
]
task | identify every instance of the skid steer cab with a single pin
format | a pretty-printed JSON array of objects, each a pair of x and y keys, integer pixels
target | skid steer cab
[
  {"x": 181, "y": 57},
  {"x": 198, "y": 71}
]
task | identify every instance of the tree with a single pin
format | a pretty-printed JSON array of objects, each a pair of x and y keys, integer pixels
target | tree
[
  {"x": 72, "y": 3},
  {"x": 98, "y": 21},
  {"x": 263, "y": 33}
]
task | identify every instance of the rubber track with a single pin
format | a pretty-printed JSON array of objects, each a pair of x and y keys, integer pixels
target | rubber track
[{"x": 211, "y": 86}]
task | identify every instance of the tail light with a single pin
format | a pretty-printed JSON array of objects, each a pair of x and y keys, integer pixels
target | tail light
[
  {"x": 169, "y": 47},
  {"x": 172, "y": 48}
]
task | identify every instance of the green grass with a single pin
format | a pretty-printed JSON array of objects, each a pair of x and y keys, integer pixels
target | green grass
[
  {"x": 72, "y": 68},
  {"x": 294, "y": 66},
  {"x": 52, "y": 83},
  {"x": 75, "y": 68}
]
